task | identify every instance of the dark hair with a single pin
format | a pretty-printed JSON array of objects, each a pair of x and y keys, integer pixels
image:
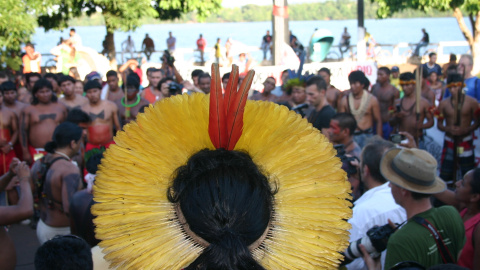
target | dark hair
[
  {"x": 326, "y": 70},
  {"x": 7, "y": 86},
  {"x": 51, "y": 76},
  {"x": 406, "y": 76},
  {"x": 72, "y": 29},
  {"x": 92, "y": 163},
  {"x": 32, "y": 74},
  {"x": 453, "y": 57},
  {"x": 112, "y": 73},
  {"x": 226, "y": 76},
  {"x": 158, "y": 70},
  {"x": 318, "y": 81},
  {"x": 346, "y": 120},
  {"x": 270, "y": 77},
  {"x": 475, "y": 183},
  {"x": 386, "y": 70},
  {"x": 228, "y": 202},
  {"x": 431, "y": 54},
  {"x": 78, "y": 116},
  {"x": 159, "y": 86},
  {"x": 372, "y": 156},
  {"x": 133, "y": 80},
  {"x": 454, "y": 77},
  {"x": 66, "y": 78},
  {"x": 64, "y": 252},
  {"x": 150, "y": 69},
  {"x": 42, "y": 83},
  {"x": 196, "y": 72},
  {"x": 92, "y": 84},
  {"x": 203, "y": 75},
  {"x": 63, "y": 135},
  {"x": 358, "y": 76}
]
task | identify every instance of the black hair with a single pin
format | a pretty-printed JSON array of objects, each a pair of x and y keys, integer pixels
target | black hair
[
  {"x": 475, "y": 183},
  {"x": 326, "y": 70},
  {"x": 78, "y": 116},
  {"x": 150, "y": 69},
  {"x": 64, "y": 252},
  {"x": 358, "y": 76},
  {"x": 431, "y": 54},
  {"x": 51, "y": 75},
  {"x": 32, "y": 74},
  {"x": 271, "y": 77},
  {"x": 42, "y": 83},
  {"x": 318, "y": 81},
  {"x": 92, "y": 163},
  {"x": 228, "y": 202},
  {"x": 196, "y": 72},
  {"x": 112, "y": 73},
  {"x": 63, "y": 135},
  {"x": 159, "y": 86},
  {"x": 142, "y": 109},
  {"x": 424, "y": 72},
  {"x": 454, "y": 77},
  {"x": 453, "y": 57},
  {"x": 386, "y": 70},
  {"x": 346, "y": 120},
  {"x": 133, "y": 80},
  {"x": 157, "y": 70},
  {"x": 203, "y": 75},
  {"x": 72, "y": 29},
  {"x": 92, "y": 84},
  {"x": 372, "y": 156},
  {"x": 7, "y": 86},
  {"x": 65, "y": 78},
  {"x": 407, "y": 76},
  {"x": 226, "y": 76}
]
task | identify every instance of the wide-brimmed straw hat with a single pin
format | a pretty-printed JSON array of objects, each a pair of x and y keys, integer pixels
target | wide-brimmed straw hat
[{"x": 412, "y": 169}]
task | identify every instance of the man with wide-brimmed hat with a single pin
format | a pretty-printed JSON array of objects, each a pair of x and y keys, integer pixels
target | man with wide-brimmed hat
[{"x": 412, "y": 176}]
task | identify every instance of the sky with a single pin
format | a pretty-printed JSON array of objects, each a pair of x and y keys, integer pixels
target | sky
[{"x": 236, "y": 3}]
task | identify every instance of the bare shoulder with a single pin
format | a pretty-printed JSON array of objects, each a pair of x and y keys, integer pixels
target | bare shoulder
[
  {"x": 60, "y": 106},
  {"x": 67, "y": 167},
  {"x": 373, "y": 101},
  {"x": 28, "y": 109},
  {"x": 425, "y": 103},
  {"x": 111, "y": 105}
]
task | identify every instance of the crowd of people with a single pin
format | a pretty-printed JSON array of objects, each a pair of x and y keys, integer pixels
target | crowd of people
[{"x": 60, "y": 126}]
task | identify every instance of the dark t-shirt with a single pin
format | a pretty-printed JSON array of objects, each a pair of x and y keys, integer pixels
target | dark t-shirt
[
  {"x": 321, "y": 119},
  {"x": 267, "y": 38},
  {"x": 426, "y": 38}
]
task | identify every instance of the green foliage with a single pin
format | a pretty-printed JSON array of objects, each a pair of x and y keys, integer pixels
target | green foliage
[{"x": 386, "y": 8}]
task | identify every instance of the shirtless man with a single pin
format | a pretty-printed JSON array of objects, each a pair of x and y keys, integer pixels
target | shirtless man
[
  {"x": 461, "y": 132},
  {"x": 334, "y": 96},
  {"x": 104, "y": 114},
  {"x": 56, "y": 186},
  {"x": 386, "y": 95},
  {"x": 128, "y": 110},
  {"x": 70, "y": 99},
  {"x": 8, "y": 136},
  {"x": 405, "y": 118},
  {"x": 25, "y": 94},
  {"x": 14, "y": 213},
  {"x": 152, "y": 92},
  {"x": 52, "y": 78},
  {"x": 266, "y": 95},
  {"x": 364, "y": 107},
  {"x": 9, "y": 91},
  {"x": 427, "y": 92},
  {"x": 114, "y": 91},
  {"x": 39, "y": 119}
]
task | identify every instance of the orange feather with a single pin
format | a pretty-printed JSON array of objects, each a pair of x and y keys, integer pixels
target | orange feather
[
  {"x": 231, "y": 88},
  {"x": 217, "y": 128}
]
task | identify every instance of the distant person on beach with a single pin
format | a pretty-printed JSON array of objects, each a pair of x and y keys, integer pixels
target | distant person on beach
[
  {"x": 128, "y": 46},
  {"x": 266, "y": 43},
  {"x": 344, "y": 41},
  {"x": 31, "y": 59},
  {"x": 386, "y": 95},
  {"x": 148, "y": 46},
  {"x": 423, "y": 42},
  {"x": 152, "y": 92},
  {"x": 201, "y": 44},
  {"x": 75, "y": 38},
  {"x": 171, "y": 41},
  {"x": 218, "y": 51}
]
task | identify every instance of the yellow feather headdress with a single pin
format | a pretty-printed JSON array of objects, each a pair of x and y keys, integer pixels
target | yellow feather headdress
[{"x": 139, "y": 228}]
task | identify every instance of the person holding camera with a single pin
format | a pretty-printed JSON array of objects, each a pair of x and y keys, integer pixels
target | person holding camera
[
  {"x": 342, "y": 127},
  {"x": 431, "y": 236},
  {"x": 374, "y": 208}
]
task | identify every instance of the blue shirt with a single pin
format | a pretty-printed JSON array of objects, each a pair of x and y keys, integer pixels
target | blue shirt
[{"x": 473, "y": 88}]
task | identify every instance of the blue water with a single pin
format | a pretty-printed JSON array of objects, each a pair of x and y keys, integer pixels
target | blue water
[{"x": 388, "y": 31}]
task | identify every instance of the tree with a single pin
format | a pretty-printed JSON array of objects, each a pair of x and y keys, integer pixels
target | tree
[
  {"x": 471, "y": 7},
  {"x": 121, "y": 14}
]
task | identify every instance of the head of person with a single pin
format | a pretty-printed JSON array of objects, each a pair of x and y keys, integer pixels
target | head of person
[
  {"x": 316, "y": 88},
  {"x": 195, "y": 74},
  {"x": 31, "y": 79},
  {"x": 67, "y": 85},
  {"x": 64, "y": 252},
  {"x": 370, "y": 159},
  {"x": 299, "y": 94},
  {"x": 284, "y": 76},
  {"x": 3, "y": 77},
  {"x": 218, "y": 40},
  {"x": 468, "y": 189},
  {"x": 91, "y": 165},
  {"x": 395, "y": 72},
  {"x": 358, "y": 81},
  {"x": 79, "y": 118},
  {"x": 29, "y": 47},
  {"x": 72, "y": 31},
  {"x": 452, "y": 58},
  {"x": 146, "y": 35},
  {"x": 52, "y": 78},
  {"x": 229, "y": 224},
  {"x": 342, "y": 127},
  {"x": 78, "y": 87},
  {"x": 93, "y": 76},
  {"x": 423, "y": 30},
  {"x": 465, "y": 65},
  {"x": 432, "y": 57},
  {"x": 164, "y": 85},
  {"x": 407, "y": 81},
  {"x": 9, "y": 92},
  {"x": 201, "y": 36},
  {"x": 455, "y": 83},
  {"x": 42, "y": 92},
  {"x": 66, "y": 136},
  {"x": 325, "y": 74},
  {"x": 433, "y": 77},
  {"x": 112, "y": 80},
  {"x": 268, "y": 32},
  {"x": 225, "y": 78},
  {"x": 170, "y": 33},
  {"x": 133, "y": 86},
  {"x": 412, "y": 174},
  {"x": 383, "y": 74},
  {"x": 93, "y": 90},
  {"x": 242, "y": 57},
  {"x": 156, "y": 75},
  {"x": 269, "y": 85},
  {"x": 204, "y": 80}
]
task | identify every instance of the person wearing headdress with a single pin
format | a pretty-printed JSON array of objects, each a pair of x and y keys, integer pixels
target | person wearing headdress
[
  {"x": 458, "y": 119},
  {"x": 364, "y": 107},
  {"x": 219, "y": 182}
]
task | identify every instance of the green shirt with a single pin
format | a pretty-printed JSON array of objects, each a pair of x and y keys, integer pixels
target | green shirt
[{"x": 413, "y": 242}]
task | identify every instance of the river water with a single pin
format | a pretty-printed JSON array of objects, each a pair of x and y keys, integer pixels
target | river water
[{"x": 388, "y": 31}]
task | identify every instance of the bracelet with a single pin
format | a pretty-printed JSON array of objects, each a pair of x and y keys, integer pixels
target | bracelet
[{"x": 11, "y": 144}]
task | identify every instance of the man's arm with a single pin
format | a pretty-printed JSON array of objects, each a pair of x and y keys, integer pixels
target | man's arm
[
  {"x": 24, "y": 208},
  {"x": 70, "y": 184},
  {"x": 441, "y": 119},
  {"x": 116, "y": 122},
  {"x": 24, "y": 128},
  {"x": 428, "y": 116},
  {"x": 376, "y": 116},
  {"x": 342, "y": 107}
]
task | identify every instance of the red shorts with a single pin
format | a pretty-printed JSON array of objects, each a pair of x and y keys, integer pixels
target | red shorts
[
  {"x": 36, "y": 153},
  {"x": 5, "y": 160}
]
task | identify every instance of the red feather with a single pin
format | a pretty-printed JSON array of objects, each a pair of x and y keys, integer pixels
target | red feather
[
  {"x": 236, "y": 110},
  {"x": 217, "y": 128},
  {"x": 231, "y": 88}
]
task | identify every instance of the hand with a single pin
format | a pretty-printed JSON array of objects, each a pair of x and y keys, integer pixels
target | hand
[
  {"x": 6, "y": 148},
  {"x": 27, "y": 157},
  {"x": 188, "y": 85},
  {"x": 23, "y": 171},
  {"x": 372, "y": 264},
  {"x": 13, "y": 165},
  {"x": 411, "y": 141},
  {"x": 13, "y": 183}
]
